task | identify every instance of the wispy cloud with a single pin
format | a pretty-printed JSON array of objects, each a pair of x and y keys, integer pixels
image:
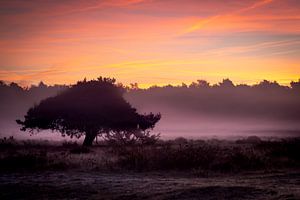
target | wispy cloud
[
  {"x": 263, "y": 48},
  {"x": 255, "y": 5},
  {"x": 229, "y": 17}
]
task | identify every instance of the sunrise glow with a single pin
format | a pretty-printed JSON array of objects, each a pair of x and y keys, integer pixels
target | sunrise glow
[{"x": 149, "y": 41}]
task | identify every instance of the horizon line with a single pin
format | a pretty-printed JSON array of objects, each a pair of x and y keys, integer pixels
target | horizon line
[{"x": 160, "y": 85}]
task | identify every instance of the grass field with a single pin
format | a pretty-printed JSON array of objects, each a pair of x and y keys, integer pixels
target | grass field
[{"x": 177, "y": 169}]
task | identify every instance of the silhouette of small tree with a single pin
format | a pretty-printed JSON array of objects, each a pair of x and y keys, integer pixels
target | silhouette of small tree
[{"x": 92, "y": 108}]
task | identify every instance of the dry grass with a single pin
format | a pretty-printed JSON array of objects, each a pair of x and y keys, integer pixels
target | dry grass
[{"x": 196, "y": 155}]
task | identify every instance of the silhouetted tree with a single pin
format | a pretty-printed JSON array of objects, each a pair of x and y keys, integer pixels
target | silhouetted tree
[
  {"x": 183, "y": 85},
  {"x": 92, "y": 108},
  {"x": 2, "y": 83},
  {"x": 203, "y": 83},
  {"x": 226, "y": 83},
  {"x": 265, "y": 84},
  {"x": 134, "y": 86},
  {"x": 295, "y": 85}
]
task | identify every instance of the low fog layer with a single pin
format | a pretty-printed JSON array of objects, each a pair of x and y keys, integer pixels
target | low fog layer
[
  {"x": 14, "y": 103},
  {"x": 223, "y": 109},
  {"x": 195, "y": 110}
]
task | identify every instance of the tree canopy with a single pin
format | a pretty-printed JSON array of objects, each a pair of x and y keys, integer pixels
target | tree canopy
[{"x": 91, "y": 108}]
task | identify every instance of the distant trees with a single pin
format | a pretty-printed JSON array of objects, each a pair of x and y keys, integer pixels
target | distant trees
[
  {"x": 92, "y": 108},
  {"x": 295, "y": 85},
  {"x": 15, "y": 100},
  {"x": 264, "y": 101},
  {"x": 226, "y": 83}
]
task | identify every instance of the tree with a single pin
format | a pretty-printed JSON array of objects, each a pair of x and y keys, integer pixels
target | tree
[
  {"x": 295, "y": 85},
  {"x": 91, "y": 108},
  {"x": 203, "y": 83},
  {"x": 226, "y": 83}
]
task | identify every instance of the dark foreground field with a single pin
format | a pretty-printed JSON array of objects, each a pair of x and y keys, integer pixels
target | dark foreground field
[
  {"x": 159, "y": 185},
  {"x": 213, "y": 169}
]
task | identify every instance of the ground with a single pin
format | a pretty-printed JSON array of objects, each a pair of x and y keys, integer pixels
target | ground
[
  {"x": 169, "y": 170},
  {"x": 73, "y": 184}
]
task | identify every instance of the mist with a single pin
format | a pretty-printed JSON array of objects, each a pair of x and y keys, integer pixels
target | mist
[
  {"x": 222, "y": 110},
  {"x": 14, "y": 104},
  {"x": 198, "y": 110}
]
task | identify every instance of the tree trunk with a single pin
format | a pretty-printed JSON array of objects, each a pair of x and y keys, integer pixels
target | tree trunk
[{"x": 89, "y": 138}]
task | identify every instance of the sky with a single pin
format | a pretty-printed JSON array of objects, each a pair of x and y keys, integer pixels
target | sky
[{"x": 151, "y": 42}]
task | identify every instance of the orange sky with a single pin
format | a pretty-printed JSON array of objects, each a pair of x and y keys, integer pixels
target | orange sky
[{"x": 149, "y": 41}]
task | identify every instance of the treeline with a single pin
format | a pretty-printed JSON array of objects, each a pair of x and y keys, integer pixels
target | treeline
[
  {"x": 15, "y": 100},
  {"x": 266, "y": 99}
]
